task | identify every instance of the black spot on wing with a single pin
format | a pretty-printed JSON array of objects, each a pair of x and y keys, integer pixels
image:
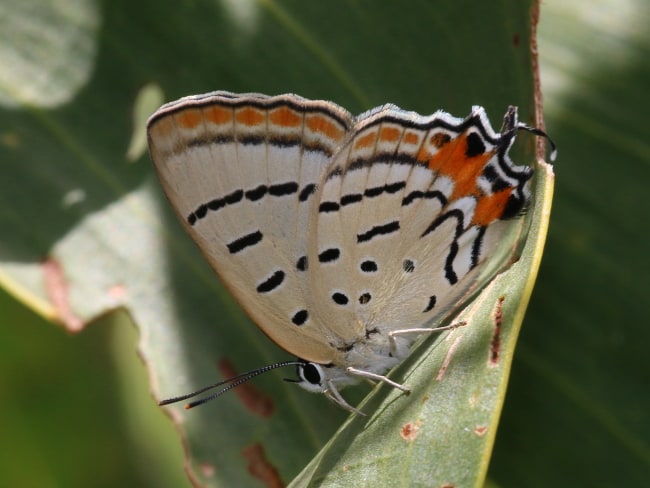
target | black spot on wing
[
  {"x": 283, "y": 189},
  {"x": 306, "y": 192},
  {"x": 329, "y": 255},
  {"x": 427, "y": 195},
  {"x": 326, "y": 207},
  {"x": 475, "y": 145},
  {"x": 351, "y": 198},
  {"x": 457, "y": 214},
  {"x": 450, "y": 273},
  {"x": 301, "y": 264},
  {"x": 245, "y": 241},
  {"x": 431, "y": 304},
  {"x": 272, "y": 282},
  {"x": 256, "y": 193},
  {"x": 378, "y": 230},
  {"x": 234, "y": 197},
  {"x": 387, "y": 188},
  {"x": 300, "y": 317},
  {"x": 476, "y": 246},
  {"x": 253, "y": 194},
  {"x": 213, "y": 205}
]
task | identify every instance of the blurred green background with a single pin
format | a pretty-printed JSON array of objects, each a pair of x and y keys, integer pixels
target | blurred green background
[{"x": 76, "y": 409}]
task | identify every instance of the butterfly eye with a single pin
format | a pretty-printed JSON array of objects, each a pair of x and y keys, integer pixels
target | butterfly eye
[{"x": 311, "y": 373}]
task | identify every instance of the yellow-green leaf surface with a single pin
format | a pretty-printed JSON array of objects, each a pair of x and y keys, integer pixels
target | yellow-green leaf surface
[{"x": 86, "y": 231}]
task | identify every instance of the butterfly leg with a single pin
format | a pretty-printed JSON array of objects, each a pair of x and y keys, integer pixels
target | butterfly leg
[
  {"x": 333, "y": 394},
  {"x": 422, "y": 330},
  {"x": 377, "y": 377}
]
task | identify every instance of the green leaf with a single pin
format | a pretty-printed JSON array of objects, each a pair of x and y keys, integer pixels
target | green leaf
[{"x": 88, "y": 231}]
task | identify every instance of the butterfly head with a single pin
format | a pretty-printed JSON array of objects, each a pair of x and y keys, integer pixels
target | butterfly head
[{"x": 325, "y": 379}]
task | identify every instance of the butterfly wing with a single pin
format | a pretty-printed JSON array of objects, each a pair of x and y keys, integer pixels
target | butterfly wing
[
  {"x": 418, "y": 212},
  {"x": 241, "y": 173}
]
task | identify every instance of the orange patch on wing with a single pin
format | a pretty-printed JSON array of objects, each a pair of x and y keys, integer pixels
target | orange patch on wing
[
  {"x": 250, "y": 116},
  {"x": 453, "y": 153},
  {"x": 321, "y": 125},
  {"x": 451, "y": 160},
  {"x": 491, "y": 207},
  {"x": 366, "y": 141},
  {"x": 467, "y": 175},
  {"x": 218, "y": 115},
  {"x": 389, "y": 134},
  {"x": 189, "y": 118},
  {"x": 285, "y": 117},
  {"x": 411, "y": 138}
]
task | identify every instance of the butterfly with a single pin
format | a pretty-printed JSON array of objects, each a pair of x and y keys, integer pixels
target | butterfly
[{"x": 343, "y": 238}]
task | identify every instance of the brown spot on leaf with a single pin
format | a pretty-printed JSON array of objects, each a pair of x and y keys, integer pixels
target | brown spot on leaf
[
  {"x": 260, "y": 468},
  {"x": 56, "y": 287},
  {"x": 495, "y": 343},
  {"x": 448, "y": 356},
  {"x": 253, "y": 399},
  {"x": 480, "y": 430},
  {"x": 409, "y": 431}
]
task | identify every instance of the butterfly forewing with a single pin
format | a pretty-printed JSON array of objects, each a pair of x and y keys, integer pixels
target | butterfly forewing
[{"x": 241, "y": 173}]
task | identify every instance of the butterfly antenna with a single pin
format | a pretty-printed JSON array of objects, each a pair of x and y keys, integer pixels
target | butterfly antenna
[
  {"x": 540, "y": 133},
  {"x": 231, "y": 382}
]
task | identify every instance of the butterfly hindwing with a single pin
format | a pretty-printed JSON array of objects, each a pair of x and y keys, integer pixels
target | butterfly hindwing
[{"x": 401, "y": 207}]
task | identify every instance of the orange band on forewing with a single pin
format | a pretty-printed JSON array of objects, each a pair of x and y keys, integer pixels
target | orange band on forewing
[
  {"x": 250, "y": 116},
  {"x": 490, "y": 207},
  {"x": 189, "y": 118},
  {"x": 321, "y": 125},
  {"x": 285, "y": 117},
  {"x": 218, "y": 115}
]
